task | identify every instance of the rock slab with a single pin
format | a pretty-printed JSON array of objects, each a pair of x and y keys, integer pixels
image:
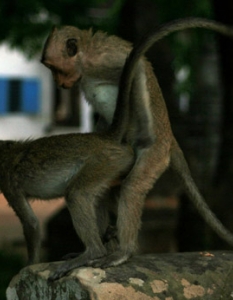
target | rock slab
[{"x": 157, "y": 276}]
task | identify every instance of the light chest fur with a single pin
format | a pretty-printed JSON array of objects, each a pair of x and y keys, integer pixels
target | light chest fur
[{"x": 101, "y": 95}]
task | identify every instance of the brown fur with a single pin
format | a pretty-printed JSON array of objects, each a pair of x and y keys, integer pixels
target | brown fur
[
  {"x": 57, "y": 166},
  {"x": 80, "y": 167},
  {"x": 96, "y": 68}
]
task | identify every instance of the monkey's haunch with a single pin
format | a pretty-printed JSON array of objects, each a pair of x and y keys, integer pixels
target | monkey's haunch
[{"x": 79, "y": 167}]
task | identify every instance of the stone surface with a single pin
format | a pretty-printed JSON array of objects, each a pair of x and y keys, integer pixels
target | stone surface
[{"x": 159, "y": 277}]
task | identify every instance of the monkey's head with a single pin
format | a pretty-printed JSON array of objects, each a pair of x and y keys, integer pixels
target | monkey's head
[{"x": 61, "y": 54}]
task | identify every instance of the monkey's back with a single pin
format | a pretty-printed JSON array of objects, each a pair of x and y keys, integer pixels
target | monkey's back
[{"x": 43, "y": 168}]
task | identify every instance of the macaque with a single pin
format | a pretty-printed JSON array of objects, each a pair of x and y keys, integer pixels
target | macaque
[
  {"x": 94, "y": 63},
  {"x": 79, "y": 167}
]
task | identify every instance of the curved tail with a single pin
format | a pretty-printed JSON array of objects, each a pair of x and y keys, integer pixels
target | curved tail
[
  {"x": 121, "y": 115},
  {"x": 180, "y": 166}
]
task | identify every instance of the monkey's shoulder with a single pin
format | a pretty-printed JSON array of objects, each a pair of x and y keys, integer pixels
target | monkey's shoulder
[{"x": 102, "y": 41}]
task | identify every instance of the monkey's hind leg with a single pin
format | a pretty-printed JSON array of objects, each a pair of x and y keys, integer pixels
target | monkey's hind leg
[
  {"x": 107, "y": 210},
  {"x": 137, "y": 184},
  {"x": 102, "y": 217},
  {"x": 81, "y": 197}
]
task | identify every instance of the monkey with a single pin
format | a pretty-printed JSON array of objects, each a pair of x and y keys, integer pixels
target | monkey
[
  {"x": 93, "y": 63},
  {"x": 56, "y": 166},
  {"x": 80, "y": 167}
]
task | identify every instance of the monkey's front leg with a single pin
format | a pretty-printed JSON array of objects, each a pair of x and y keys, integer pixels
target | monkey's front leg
[
  {"x": 31, "y": 227},
  {"x": 82, "y": 193}
]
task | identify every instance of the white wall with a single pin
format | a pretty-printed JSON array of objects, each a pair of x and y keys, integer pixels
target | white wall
[{"x": 14, "y": 64}]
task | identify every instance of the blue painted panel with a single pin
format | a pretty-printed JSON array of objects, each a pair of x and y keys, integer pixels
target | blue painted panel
[
  {"x": 14, "y": 95},
  {"x": 4, "y": 94},
  {"x": 30, "y": 101}
]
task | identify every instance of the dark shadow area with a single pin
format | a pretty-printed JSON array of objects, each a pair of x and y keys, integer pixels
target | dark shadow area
[{"x": 10, "y": 265}]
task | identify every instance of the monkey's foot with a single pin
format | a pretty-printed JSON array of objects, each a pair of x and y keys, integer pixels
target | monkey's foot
[
  {"x": 117, "y": 258},
  {"x": 64, "y": 268},
  {"x": 82, "y": 260}
]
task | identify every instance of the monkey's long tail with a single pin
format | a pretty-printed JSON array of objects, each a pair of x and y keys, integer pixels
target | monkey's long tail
[
  {"x": 158, "y": 33},
  {"x": 180, "y": 166}
]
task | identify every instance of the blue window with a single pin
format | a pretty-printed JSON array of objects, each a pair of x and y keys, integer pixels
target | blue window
[
  {"x": 19, "y": 95},
  {"x": 4, "y": 90},
  {"x": 30, "y": 96}
]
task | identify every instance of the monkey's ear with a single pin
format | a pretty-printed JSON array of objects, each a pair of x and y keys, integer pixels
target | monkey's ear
[{"x": 71, "y": 47}]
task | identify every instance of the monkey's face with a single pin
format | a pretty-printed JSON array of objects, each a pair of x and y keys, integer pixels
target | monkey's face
[
  {"x": 64, "y": 72},
  {"x": 63, "y": 63}
]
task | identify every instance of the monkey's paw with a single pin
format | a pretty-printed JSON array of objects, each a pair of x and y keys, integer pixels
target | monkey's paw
[
  {"x": 115, "y": 259},
  {"x": 65, "y": 267},
  {"x": 82, "y": 260}
]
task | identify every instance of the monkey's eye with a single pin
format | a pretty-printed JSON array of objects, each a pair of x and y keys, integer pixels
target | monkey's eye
[{"x": 71, "y": 47}]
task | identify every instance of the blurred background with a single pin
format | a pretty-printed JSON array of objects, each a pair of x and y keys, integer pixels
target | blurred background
[{"x": 195, "y": 71}]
